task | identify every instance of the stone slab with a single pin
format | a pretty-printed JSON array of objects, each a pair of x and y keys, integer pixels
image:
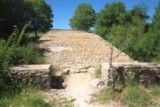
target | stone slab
[
  {"x": 36, "y": 75},
  {"x": 40, "y": 67}
]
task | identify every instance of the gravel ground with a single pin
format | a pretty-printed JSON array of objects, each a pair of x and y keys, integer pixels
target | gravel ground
[{"x": 77, "y": 48}]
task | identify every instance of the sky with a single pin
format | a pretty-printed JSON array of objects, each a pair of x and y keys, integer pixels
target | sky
[{"x": 63, "y": 10}]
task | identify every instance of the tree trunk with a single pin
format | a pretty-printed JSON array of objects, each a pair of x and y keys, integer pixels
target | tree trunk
[
  {"x": 110, "y": 56},
  {"x": 35, "y": 28},
  {"x": 36, "y": 34},
  {"x": 111, "y": 69}
]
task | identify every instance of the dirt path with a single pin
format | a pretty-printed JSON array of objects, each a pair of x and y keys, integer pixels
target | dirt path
[{"x": 75, "y": 51}]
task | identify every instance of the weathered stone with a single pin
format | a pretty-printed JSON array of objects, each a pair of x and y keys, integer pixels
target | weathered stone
[
  {"x": 84, "y": 53},
  {"x": 66, "y": 71},
  {"x": 144, "y": 73},
  {"x": 36, "y": 75}
]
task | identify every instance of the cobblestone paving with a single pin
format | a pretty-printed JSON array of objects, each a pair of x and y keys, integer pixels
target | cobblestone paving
[{"x": 77, "y": 49}]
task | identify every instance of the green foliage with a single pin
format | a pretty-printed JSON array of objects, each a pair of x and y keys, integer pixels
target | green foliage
[
  {"x": 28, "y": 54},
  {"x": 17, "y": 38},
  {"x": 40, "y": 15},
  {"x": 22, "y": 33},
  {"x": 139, "y": 11},
  {"x": 129, "y": 31},
  {"x": 147, "y": 48},
  {"x": 136, "y": 97},
  {"x": 104, "y": 96},
  {"x": 12, "y": 13},
  {"x": 15, "y": 52},
  {"x": 14, "y": 55},
  {"x": 111, "y": 14},
  {"x": 155, "y": 90},
  {"x": 26, "y": 98},
  {"x": 156, "y": 17},
  {"x": 19, "y": 12},
  {"x": 127, "y": 36},
  {"x": 32, "y": 97},
  {"x": 133, "y": 95},
  {"x": 98, "y": 71},
  {"x": 84, "y": 17}
]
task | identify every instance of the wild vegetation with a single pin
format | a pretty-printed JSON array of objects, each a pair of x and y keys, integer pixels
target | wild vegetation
[
  {"x": 132, "y": 31},
  {"x": 19, "y": 19},
  {"x": 20, "y": 12},
  {"x": 132, "y": 95},
  {"x": 32, "y": 97},
  {"x": 84, "y": 17}
]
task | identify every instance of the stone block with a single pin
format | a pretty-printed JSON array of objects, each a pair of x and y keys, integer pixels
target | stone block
[{"x": 35, "y": 75}]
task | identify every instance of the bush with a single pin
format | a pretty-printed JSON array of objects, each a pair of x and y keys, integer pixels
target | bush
[{"x": 16, "y": 55}]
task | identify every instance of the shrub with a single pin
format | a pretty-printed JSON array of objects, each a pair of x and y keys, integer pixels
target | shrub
[{"x": 14, "y": 51}]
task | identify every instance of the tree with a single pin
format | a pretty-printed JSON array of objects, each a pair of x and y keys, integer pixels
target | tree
[
  {"x": 20, "y": 12},
  {"x": 113, "y": 13},
  {"x": 139, "y": 11},
  {"x": 156, "y": 17},
  {"x": 11, "y": 13},
  {"x": 84, "y": 17},
  {"x": 40, "y": 15}
]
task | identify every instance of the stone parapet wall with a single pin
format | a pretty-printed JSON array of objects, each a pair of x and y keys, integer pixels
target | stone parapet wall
[
  {"x": 143, "y": 73},
  {"x": 34, "y": 75}
]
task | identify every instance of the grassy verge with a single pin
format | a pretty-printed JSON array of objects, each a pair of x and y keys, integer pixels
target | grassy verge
[
  {"x": 32, "y": 97},
  {"x": 25, "y": 98},
  {"x": 132, "y": 95}
]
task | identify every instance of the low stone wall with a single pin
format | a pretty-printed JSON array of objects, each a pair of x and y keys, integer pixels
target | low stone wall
[
  {"x": 34, "y": 75},
  {"x": 143, "y": 73}
]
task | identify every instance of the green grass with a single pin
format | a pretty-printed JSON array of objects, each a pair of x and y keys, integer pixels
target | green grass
[
  {"x": 98, "y": 71},
  {"x": 155, "y": 90},
  {"x": 106, "y": 95},
  {"x": 32, "y": 97},
  {"x": 135, "y": 97},
  {"x": 61, "y": 103},
  {"x": 26, "y": 98}
]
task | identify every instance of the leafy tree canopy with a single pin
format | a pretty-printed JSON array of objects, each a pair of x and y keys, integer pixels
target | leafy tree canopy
[
  {"x": 84, "y": 17},
  {"x": 20, "y": 12},
  {"x": 156, "y": 17},
  {"x": 111, "y": 14},
  {"x": 130, "y": 31}
]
